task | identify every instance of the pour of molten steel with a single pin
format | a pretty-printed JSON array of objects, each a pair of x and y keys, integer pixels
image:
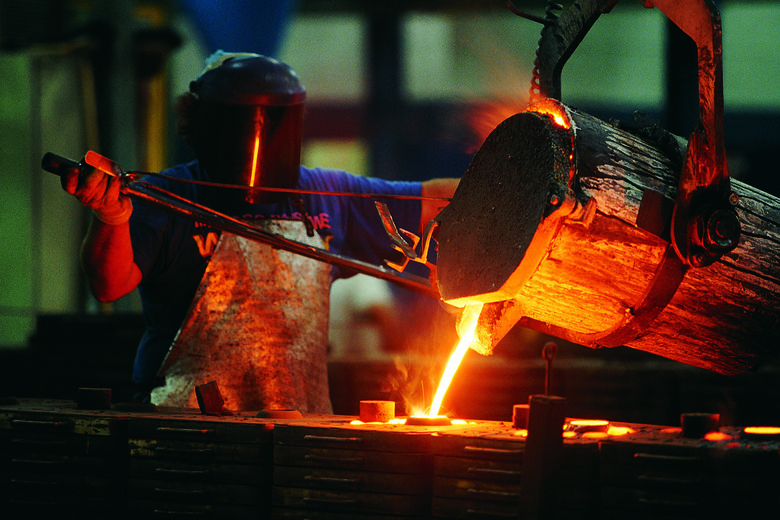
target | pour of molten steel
[{"x": 469, "y": 326}]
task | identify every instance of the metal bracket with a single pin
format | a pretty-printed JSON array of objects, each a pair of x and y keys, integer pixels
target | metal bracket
[
  {"x": 561, "y": 35},
  {"x": 705, "y": 225},
  {"x": 401, "y": 245}
]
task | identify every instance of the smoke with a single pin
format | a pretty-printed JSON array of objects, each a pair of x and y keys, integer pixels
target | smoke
[
  {"x": 418, "y": 370},
  {"x": 484, "y": 118}
]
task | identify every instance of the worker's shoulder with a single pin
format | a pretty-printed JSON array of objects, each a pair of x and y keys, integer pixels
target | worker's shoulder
[
  {"x": 184, "y": 171},
  {"x": 188, "y": 170},
  {"x": 340, "y": 180},
  {"x": 322, "y": 177}
]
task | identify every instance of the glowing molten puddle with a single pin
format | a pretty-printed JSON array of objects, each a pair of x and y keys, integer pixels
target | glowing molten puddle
[
  {"x": 469, "y": 326},
  {"x": 762, "y": 432},
  {"x": 619, "y": 430},
  {"x": 358, "y": 422},
  {"x": 428, "y": 420},
  {"x": 717, "y": 436},
  {"x": 589, "y": 425}
]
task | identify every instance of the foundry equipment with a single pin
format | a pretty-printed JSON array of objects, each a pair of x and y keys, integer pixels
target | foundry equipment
[
  {"x": 615, "y": 234},
  {"x": 598, "y": 233},
  {"x": 601, "y": 234},
  {"x": 94, "y": 458}
]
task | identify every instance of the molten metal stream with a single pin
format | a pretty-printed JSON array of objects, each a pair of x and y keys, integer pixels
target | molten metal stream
[{"x": 469, "y": 320}]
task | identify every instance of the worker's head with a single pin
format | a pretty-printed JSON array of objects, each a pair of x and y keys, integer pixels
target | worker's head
[{"x": 243, "y": 119}]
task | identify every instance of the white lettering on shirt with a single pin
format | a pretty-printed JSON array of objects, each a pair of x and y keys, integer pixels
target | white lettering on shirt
[
  {"x": 321, "y": 221},
  {"x": 207, "y": 244}
]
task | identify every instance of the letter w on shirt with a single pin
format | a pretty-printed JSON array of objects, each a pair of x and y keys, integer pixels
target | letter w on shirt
[{"x": 206, "y": 245}]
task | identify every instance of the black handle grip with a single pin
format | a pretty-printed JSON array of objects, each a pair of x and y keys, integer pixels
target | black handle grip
[{"x": 57, "y": 164}]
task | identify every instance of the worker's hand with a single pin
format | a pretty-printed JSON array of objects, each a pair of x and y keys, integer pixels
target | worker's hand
[{"x": 99, "y": 192}]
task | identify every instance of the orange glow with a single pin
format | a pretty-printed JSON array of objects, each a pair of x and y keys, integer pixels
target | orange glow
[
  {"x": 762, "y": 430},
  {"x": 569, "y": 435},
  {"x": 521, "y": 433},
  {"x": 554, "y": 110},
  {"x": 616, "y": 431},
  {"x": 717, "y": 436},
  {"x": 428, "y": 417},
  {"x": 104, "y": 164},
  {"x": 358, "y": 422},
  {"x": 469, "y": 321},
  {"x": 486, "y": 118},
  {"x": 672, "y": 430},
  {"x": 255, "y": 155},
  {"x": 587, "y": 426},
  {"x": 561, "y": 118},
  {"x": 588, "y": 423},
  {"x": 595, "y": 435}
]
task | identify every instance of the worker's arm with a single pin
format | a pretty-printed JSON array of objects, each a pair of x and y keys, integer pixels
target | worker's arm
[
  {"x": 107, "y": 252},
  {"x": 437, "y": 188}
]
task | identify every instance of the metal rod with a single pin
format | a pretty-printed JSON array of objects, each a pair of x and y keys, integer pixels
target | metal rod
[
  {"x": 136, "y": 175},
  {"x": 528, "y": 16},
  {"x": 548, "y": 353},
  {"x": 145, "y": 192},
  {"x": 167, "y": 201}
]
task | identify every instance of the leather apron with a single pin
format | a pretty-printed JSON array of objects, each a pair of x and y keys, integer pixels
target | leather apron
[{"x": 258, "y": 326}]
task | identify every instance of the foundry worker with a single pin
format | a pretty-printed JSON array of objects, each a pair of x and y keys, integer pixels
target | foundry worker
[{"x": 242, "y": 117}]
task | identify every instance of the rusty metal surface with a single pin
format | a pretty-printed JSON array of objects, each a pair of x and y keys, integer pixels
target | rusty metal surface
[
  {"x": 561, "y": 35},
  {"x": 190, "y": 464},
  {"x": 543, "y": 456},
  {"x": 351, "y": 459},
  {"x": 480, "y": 471},
  {"x": 477, "y": 469},
  {"x": 398, "y": 438},
  {"x": 56, "y": 459},
  {"x": 198, "y": 428},
  {"x": 661, "y": 473},
  {"x": 258, "y": 325},
  {"x": 705, "y": 225},
  {"x": 354, "y": 469}
]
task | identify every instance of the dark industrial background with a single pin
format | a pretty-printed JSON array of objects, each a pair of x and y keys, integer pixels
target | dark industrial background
[{"x": 84, "y": 75}]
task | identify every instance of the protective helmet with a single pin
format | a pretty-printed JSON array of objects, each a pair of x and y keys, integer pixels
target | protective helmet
[{"x": 250, "y": 123}]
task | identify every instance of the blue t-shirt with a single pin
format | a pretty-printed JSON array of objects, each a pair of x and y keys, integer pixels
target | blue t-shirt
[{"x": 173, "y": 251}]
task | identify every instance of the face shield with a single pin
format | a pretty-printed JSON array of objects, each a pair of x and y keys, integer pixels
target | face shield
[{"x": 249, "y": 121}]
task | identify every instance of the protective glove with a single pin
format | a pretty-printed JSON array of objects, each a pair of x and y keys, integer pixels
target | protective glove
[{"x": 99, "y": 192}]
